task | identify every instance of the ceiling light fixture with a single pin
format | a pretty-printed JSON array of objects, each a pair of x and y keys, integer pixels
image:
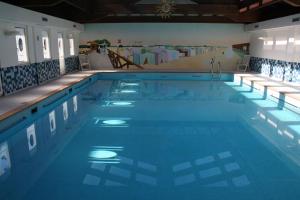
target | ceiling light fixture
[{"x": 166, "y": 8}]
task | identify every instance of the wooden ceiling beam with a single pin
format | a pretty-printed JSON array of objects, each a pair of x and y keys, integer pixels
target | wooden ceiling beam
[
  {"x": 294, "y": 3},
  {"x": 150, "y": 9},
  {"x": 82, "y": 5},
  {"x": 158, "y": 19}
]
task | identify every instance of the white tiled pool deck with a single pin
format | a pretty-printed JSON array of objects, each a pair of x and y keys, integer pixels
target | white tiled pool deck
[
  {"x": 289, "y": 92},
  {"x": 9, "y": 105},
  {"x": 19, "y": 101}
]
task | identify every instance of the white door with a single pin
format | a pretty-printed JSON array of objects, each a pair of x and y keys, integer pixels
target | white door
[{"x": 61, "y": 53}]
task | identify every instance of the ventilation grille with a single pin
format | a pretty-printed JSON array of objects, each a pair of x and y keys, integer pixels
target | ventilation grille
[
  {"x": 44, "y": 19},
  {"x": 297, "y": 19}
]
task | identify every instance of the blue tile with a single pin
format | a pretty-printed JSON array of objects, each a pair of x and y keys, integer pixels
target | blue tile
[{"x": 72, "y": 64}]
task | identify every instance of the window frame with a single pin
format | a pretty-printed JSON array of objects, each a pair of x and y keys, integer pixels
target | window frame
[
  {"x": 49, "y": 46},
  {"x": 63, "y": 45}
]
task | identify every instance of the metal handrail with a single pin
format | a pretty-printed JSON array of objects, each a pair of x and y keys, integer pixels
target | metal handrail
[
  {"x": 219, "y": 69},
  {"x": 212, "y": 69}
]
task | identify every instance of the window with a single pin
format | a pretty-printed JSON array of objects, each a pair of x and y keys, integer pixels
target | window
[
  {"x": 61, "y": 54},
  {"x": 46, "y": 46},
  {"x": 281, "y": 42},
  {"x": 21, "y": 45},
  {"x": 60, "y": 46},
  {"x": 72, "y": 51}
]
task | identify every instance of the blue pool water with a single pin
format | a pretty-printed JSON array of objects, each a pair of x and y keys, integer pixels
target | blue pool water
[{"x": 130, "y": 137}]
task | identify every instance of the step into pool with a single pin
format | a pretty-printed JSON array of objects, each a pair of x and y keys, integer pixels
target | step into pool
[{"x": 154, "y": 136}]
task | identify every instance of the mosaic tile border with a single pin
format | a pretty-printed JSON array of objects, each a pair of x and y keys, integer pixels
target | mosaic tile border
[
  {"x": 16, "y": 78},
  {"x": 72, "y": 64},
  {"x": 1, "y": 91},
  {"x": 48, "y": 70},
  {"x": 278, "y": 69}
]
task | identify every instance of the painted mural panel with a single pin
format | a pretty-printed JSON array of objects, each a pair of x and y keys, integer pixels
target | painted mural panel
[{"x": 171, "y": 56}]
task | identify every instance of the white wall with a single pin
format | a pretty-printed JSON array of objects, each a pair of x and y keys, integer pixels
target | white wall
[
  {"x": 281, "y": 29},
  {"x": 167, "y": 33},
  {"x": 12, "y": 16},
  {"x": 288, "y": 52}
]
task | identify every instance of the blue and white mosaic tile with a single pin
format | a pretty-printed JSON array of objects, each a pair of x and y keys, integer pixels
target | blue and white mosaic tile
[
  {"x": 277, "y": 69},
  {"x": 72, "y": 64},
  {"x": 18, "y": 77},
  {"x": 1, "y": 91},
  {"x": 48, "y": 70}
]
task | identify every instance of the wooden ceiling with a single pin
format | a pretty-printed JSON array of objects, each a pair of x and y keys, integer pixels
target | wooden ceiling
[{"x": 214, "y": 11}]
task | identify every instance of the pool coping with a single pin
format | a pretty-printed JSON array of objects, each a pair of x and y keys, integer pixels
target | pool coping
[
  {"x": 41, "y": 98},
  {"x": 87, "y": 74}
]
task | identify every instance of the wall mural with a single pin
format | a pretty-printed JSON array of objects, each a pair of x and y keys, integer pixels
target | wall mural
[{"x": 161, "y": 55}]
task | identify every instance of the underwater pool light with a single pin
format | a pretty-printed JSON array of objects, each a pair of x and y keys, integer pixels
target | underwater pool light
[
  {"x": 114, "y": 122},
  {"x": 129, "y": 84},
  {"x": 128, "y": 91},
  {"x": 118, "y": 104},
  {"x": 122, "y": 103},
  {"x": 102, "y": 154}
]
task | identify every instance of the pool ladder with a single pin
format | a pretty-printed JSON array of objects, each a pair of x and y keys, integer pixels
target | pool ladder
[{"x": 215, "y": 75}]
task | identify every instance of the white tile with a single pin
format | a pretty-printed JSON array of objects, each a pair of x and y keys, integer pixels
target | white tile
[
  {"x": 145, "y": 179},
  {"x": 232, "y": 167},
  {"x": 91, "y": 180},
  {"x": 110, "y": 183},
  {"x": 120, "y": 172},
  {"x": 218, "y": 184},
  {"x": 205, "y": 160},
  {"x": 125, "y": 160},
  {"x": 98, "y": 166},
  {"x": 182, "y": 166},
  {"x": 241, "y": 181},
  {"x": 147, "y": 166},
  {"x": 225, "y": 154},
  {"x": 210, "y": 172},
  {"x": 183, "y": 180}
]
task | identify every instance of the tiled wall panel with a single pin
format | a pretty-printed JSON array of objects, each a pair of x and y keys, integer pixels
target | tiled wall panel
[
  {"x": 72, "y": 64},
  {"x": 1, "y": 91},
  {"x": 281, "y": 70},
  {"x": 21, "y": 77},
  {"x": 18, "y": 77},
  {"x": 48, "y": 70}
]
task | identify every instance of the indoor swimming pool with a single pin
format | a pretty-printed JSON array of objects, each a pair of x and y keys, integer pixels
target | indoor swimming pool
[{"x": 147, "y": 136}]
